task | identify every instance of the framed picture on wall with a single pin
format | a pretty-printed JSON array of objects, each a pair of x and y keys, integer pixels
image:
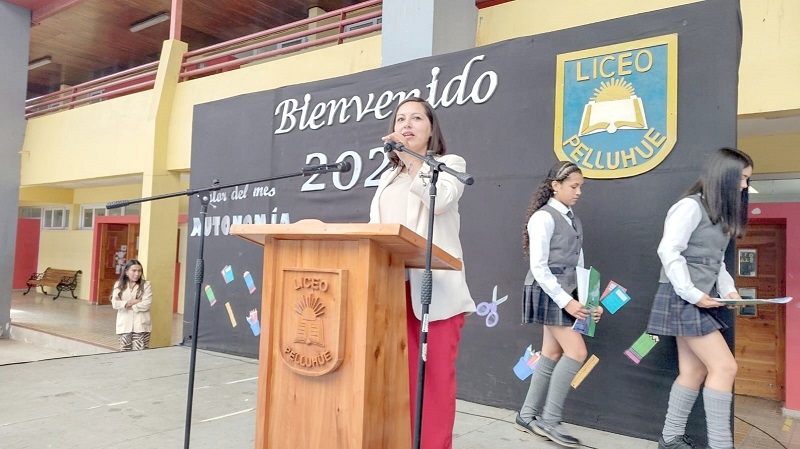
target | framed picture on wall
[
  {"x": 749, "y": 310},
  {"x": 747, "y": 262}
]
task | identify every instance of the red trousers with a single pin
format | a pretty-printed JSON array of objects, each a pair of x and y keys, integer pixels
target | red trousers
[{"x": 439, "y": 398}]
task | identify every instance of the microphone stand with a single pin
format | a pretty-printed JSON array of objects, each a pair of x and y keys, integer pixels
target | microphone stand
[
  {"x": 204, "y": 195},
  {"x": 427, "y": 276}
]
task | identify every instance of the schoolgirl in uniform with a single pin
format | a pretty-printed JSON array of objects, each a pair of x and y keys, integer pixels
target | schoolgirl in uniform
[
  {"x": 697, "y": 231},
  {"x": 553, "y": 241}
]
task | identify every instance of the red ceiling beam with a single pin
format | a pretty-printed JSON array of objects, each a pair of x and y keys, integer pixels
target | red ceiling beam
[
  {"x": 50, "y": 9},
  {"x": 487, "y": 3},
  {"x": 176, "y": 16}
]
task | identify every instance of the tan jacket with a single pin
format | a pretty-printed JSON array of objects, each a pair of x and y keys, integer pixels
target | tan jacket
[
  {"x": 137, "y": 318},
  {"x": 450, "y": 295}
]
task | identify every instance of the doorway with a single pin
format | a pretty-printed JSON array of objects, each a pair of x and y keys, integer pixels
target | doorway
[
  {"x": 116, "y": 241},
  {"x": 761, "y": 329}
]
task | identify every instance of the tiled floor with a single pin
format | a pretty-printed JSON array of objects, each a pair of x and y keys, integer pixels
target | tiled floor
[
  {"x": 758, "y": 423},
  {"x": 74, "y": 318}
]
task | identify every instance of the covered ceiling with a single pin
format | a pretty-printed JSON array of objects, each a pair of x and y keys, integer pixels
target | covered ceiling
[{"x": 87, "y": 39}]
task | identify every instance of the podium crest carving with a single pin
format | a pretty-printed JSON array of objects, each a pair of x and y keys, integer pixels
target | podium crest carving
[{"x": 312, "y": 320}]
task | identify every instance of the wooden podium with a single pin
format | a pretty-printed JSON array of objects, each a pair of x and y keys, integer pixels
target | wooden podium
[{"x": 333, "y": 356}]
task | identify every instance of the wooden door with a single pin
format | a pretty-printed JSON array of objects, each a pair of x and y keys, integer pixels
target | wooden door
[
  {"x": 118, "y": 244},
  {"x": 761, "y": 329}
]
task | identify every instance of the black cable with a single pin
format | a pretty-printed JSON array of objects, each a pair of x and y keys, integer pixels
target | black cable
[{"x": 760, "y": 430}]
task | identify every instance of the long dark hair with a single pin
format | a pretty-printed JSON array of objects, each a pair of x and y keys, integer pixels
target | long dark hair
[
  {"x": 122, "y": 282},
  {"x": 558, "y": 172},
  {"x": 720, "y": 187},
  {"x": 435, "y": 142}
]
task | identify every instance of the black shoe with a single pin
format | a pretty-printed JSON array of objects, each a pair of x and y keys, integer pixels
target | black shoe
[
  {"x": 523, "y": 426},
  {"x": 681, "y": 442},
  {"x": 556, "y": 434}
]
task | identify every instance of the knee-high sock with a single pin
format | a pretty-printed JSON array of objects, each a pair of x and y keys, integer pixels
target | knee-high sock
[
  {"x": 681, "y": 401},
  {"x": 563, "y": 373},
  {"x": 537, "y": 392},
  {"x": 718, "y": 418}
]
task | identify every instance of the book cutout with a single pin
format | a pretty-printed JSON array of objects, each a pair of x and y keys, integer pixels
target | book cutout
[
  {"x": 210, "y": 295},
  {"x": 227, "y": 274},
  {"x": 641, "y": 347},
  {"x": 615, "y": 299},
  {"x": 248, "y": 279},
  {"x": 584, "y": 371},
  {"x": 589, "y": 296},
  {"x": 527, "y": 363}
]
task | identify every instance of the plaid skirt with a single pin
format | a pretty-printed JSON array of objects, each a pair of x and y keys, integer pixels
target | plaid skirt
[
  {"x": 672, "y": 316},
  {"x": 538, "y": 308}
]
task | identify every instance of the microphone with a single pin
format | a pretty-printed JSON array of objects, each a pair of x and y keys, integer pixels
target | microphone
[
  {"x": 392, "y": 146},
  {"x": 343, "y": 167}
]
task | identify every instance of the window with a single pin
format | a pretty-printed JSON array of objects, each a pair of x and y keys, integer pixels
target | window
[
  {"x": 90, "y": 211},
  {"x": 55, "y": 218},
  {"x": 293, "y": 42},
  {"x": 363, "y": 24},
  {"x": 30, "y": 212}
]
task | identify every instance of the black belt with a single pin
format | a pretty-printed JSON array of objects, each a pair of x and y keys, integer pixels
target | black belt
[{"x": 559, "y": 270}]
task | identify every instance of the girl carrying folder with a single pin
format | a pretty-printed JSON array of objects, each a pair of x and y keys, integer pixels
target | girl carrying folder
[
  {"x": 553, "y": 241},
  {"x": 697, "y": 231}
]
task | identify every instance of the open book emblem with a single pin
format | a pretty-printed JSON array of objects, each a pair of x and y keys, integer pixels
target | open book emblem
[
  {"x": 310, "y": 327},
  {"x": 312, "y": 320},
  {"x": 614, "y": 106}
]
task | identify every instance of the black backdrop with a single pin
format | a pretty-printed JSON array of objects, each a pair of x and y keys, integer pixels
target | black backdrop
[{"x": 504, "y": 129}]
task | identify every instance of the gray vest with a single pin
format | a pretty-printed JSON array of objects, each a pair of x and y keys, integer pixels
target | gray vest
[
  {"x": 565, "y": 250},
  {"x": 704, "y": 252}
]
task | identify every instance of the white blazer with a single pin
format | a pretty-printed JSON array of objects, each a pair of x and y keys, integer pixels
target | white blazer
[
  {"x": 137, "y": 318},
  {"x": 449, "y": 294}
]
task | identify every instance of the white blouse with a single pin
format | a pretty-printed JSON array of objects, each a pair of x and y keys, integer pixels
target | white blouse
[
  {"x": 682, "y": 219},
  {"x": 540, "y": 230}
]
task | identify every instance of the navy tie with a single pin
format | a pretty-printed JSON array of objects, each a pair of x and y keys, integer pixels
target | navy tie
[{"x": 572, "y": 219}]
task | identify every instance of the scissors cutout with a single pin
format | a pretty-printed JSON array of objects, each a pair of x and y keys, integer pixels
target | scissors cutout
[{"x": 489, "y": 310}]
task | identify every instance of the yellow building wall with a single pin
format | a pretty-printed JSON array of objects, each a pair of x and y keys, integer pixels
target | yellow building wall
[
  {"x": 70, "y": 250},
  {"x": 769, "y": 74},
  {"x": 99, "y": 140},
  {"x": 771, "y": 153},
  {"x": 526, "y": 17},
  {"x": 329, "y": 62}
]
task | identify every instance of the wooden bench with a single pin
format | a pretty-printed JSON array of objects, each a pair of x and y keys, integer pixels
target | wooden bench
[{"x": 53, "y": 277}]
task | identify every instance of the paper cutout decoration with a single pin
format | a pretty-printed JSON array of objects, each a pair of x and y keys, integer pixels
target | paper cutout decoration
[
  {"x": 251, "y": 286},
  {"x": 615, "y": 299},
  {"x": 489, "y": 309},
  {"x": 255, "y": 326},
  {"x": 210, "y": 295},
  {"x": 641, "y": 347},
  {"x": 609, "y": 287},
  {"x": 227, "y": 274},
  {"x": 527, "y": 363},
  {"x": 589, "y": 296},
  {"x": 584, "y": 371},
  {"x": 230, "y": 314}
]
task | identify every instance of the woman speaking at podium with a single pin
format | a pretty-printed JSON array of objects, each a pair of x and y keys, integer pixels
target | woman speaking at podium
[{"x": 402, "y": 197}]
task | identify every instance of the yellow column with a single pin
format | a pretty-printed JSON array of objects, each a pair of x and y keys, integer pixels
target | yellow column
[{"x": 158, "y": 234}]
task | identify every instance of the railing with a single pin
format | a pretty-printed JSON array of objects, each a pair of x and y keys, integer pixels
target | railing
[
  {"x": 132, "y": 80},
  {"x": 223, "y": 56},
  {"x": 216, "y": 58}
]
